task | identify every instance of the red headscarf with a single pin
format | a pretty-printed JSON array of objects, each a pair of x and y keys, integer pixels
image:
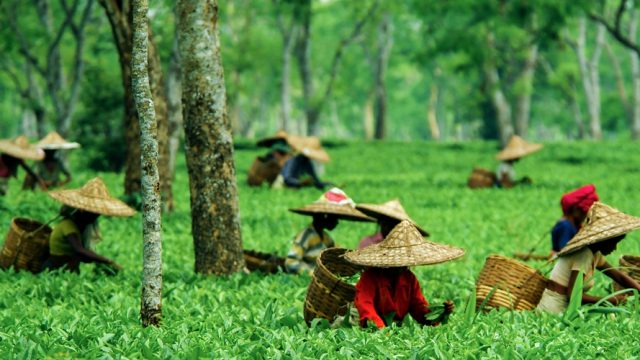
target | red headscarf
[{"x": 582, "y": 197}]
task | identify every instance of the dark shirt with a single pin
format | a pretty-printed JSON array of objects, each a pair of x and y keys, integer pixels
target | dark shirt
[
  {"x": 295, "y": 168},
  {"x": 562, "y": 232}
]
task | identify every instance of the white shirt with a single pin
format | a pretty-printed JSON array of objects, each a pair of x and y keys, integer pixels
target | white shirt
[{"x": 506, "y": 169}]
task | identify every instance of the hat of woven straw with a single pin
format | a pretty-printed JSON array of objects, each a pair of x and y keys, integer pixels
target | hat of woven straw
[
  {"x": 21, "y": 149},
  {"x": 93, "y": 197},
  {"x": 53, "y": 141},
  {"x": 279, "y": 136},
  {"x": 404, "y": 246},
  {"x": 602, "y": 223},
  {"x": 309, "y": 146},
  {"x": 392, "y": 209},
  {"x": 517, "y": 148},
  {"x": 334, "y": 202}
]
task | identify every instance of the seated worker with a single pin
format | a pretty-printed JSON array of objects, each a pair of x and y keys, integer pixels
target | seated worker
[
  {"x": 70, "y": 242},
  {"x": 387, "y": 289},
  {"x": 12, "y": 154},
  {"x": 388, "y": 215},
  {"x": 267, "y": 168},
  {"x": 300, "y": 170},
  {"x": 575, "y": 206},
  {"x": 516, "y": 149},
  {"x": 309, "y": 243},
  {"x": 52, "y": 168},
  {"x": 603, "y": 229}
]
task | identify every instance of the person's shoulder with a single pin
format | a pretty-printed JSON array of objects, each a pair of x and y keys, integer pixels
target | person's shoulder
[
  {"x": 563, "y": 224},
  {"x": 67, "y": 226}
]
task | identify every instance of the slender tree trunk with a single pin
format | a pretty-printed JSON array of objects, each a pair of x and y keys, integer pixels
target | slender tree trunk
[
  {"x": 209, "y": 144},
  {"x": 385, "y": 42},
  {"x": 151, "y": 298},
  {"x": 368, "y": 118},
  {"x": 635, "y": 75},
  {"x": 577, "y": 113},
  {"x": 174, "y": 103},
  {"x": 523, "y": 99},
  {"x": 498, "y": 99},
  {"x": 622, "y": 92},
  {"x": 289, "y": 39},
  {"x": 590, "y": 75},
  {"x": 303, "y": 56},
  {"x": 432, "y": 112},
  {"x": 29, "y": 127}
]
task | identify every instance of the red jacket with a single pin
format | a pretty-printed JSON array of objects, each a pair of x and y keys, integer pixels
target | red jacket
[{"x": 379, "y": 294}]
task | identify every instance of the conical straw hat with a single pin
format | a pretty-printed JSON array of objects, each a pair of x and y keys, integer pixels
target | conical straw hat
[
  {"x": 21, "y": 149},
  {"x": 517, "y": 148},
  {"x": 404, "y": 246},
  {"x": 53, "y": 141},
  {"x": 280, "y": 135},
  {"x": 602, "y": 223},
  {"x": 392, "y": 209},
  {"x": 309, "y": 146},
  {"x": 334, "y": 202},
  {"x": 93, "y": 197}
]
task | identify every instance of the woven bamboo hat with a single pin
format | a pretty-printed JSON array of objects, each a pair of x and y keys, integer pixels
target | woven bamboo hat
[
  {"x": 93, "y": 197},
  {"x": 404, "y": 246},
  {"x": 279, "y": 136},
  {"x": 309, "y": 146},
  {"x": 21, "y": 149},
  {"x": 334, "y": 202},
  {"x": 53, "y": 141},
  {"x": 517, "y": 148},
  {"x": 602, "y": 223},
  {"x": 392, "y": 209}
]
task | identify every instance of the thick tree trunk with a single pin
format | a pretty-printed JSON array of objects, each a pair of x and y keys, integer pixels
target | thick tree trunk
[
  {"x": 523, "y": 99},
  {"x": 209, "y": 144},
  {"x": 151, "y": 298},
  {"x": 385, "y": 41},
  {"x": 174, "y": 104},
  {"x": 635, "y": 76}
]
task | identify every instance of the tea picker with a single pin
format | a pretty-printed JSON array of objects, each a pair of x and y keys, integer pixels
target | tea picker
[
  {"x": 13, "y": 153},
  {"x": 52, "y": 168}
]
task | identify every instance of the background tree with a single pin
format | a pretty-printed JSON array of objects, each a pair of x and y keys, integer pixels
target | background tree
[
  {"x": 209, "y": 144},
  {"x": 151, "y": 298}
]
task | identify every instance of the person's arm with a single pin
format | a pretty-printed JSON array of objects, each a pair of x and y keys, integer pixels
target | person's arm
[
  {"x": 588, "y": 299},
  {"x": 618, "y": 276},
  {"x": 419, "y": 307},
  {"x": 560, "y": 235},
  {"x": 288, "y": 173},
  {"x": 26, "y": 168},
  {"x": 311, "y": 170},
  {"x": 365, "y": 301},
  {"x": 86, "y": 255}
]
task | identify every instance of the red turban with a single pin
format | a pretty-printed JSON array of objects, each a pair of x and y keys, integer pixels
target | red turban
[{"x": 583, "y": 198}]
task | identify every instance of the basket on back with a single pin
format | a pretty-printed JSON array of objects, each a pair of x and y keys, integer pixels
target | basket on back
[
  {"x": 328, "y": 295},
  {"x": 513, "y": 285},
  {"x": 263, "y": 170},
  {"x": 630, "y": 265},
  {"x": 481, "y": 178},
  {"x": 259, "y": 261},
  {"x": 26, "y": 246}
]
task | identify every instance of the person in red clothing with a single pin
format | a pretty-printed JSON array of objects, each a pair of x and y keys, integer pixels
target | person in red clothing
[
  {"x": 575, "y": 206},
  {"x": 388, "y": 215},
  {"x": 387, "y": 290}
]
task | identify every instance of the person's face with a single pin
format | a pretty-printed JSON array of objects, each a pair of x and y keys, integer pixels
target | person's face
[
  {"x": 11, "y": 162},
  {"x": 578, "y": 215},
  {"x": 386, "y": 225},
  {"x": 86, "y": 217},
  {"x": 609, "y": 246},
  {"x": 328, "y": 222}
]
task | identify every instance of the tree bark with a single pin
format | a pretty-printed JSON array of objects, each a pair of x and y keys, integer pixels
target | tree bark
[
  {"x": 385, "y": 42},
  {"x": 174, "y": 103},
  {"x": 209, "y": 144},
  {"x": 523, "y": 99},
  {"x": 119, "y": 14},
  {"x": 151, "y": 298}
]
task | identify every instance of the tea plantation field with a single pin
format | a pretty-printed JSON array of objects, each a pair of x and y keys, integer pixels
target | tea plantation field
[{"x": 256, "y": 316}]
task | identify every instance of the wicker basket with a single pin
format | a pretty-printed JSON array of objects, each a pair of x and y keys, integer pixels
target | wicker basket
[
  {"x": 327, "y": 295},
  {"x": 517, "y": 286},
  {"x": 263, "y": 170},
  {"x": 481, "y": 178},
  {"x": 258, "y": 261},
  {"x": 26, "y": 245},
  {"x": 630, "y": 265}
]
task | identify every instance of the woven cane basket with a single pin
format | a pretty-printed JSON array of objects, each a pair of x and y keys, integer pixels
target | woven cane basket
[
  {"x": 262, "y": 171},
  {"x": 26, "y": 246},
  {"x": 517, "y": 286},
  {"x": 630, "y": 265},
  {"x": 259, "y": 261},
  {"x": 328, "y": 295},
  {"x": 481, "y": 178}
]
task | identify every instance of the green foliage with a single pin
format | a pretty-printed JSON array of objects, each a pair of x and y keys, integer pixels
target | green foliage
[{"x": 260, "y": 316}]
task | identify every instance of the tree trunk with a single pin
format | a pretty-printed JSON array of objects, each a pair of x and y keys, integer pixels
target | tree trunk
[
  {"x": 288, "y": 39},
  {"x": 385, "y": 41},
  {"x": 590, "y": 75},
  {"x": 635, "y": 75},
  {"x": 119, "y": 14},
  {"x": 577, "y": 113},
  {"x": 368, "y": 118},
  {"x": 174, "y": 104},
  {"x": 303, "y": 57},
  {"x": 432, "y": 112},
  {"x": 622, "y": 91},
  {"x": 209, "y": 144},
  {"x": 523, "y": 99},
  {"x": 29, "y": 126},
  {"x": 499, "y": 101},
  {"x": 151, "y": 298}
]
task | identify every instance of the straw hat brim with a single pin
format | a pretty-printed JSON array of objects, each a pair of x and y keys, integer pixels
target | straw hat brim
[
  {"x": 102, "y": 206},
  {"x": 343, "y": 212},
  {"x": 32, "y": 153},
  {"x": 600, "y": 232},
  {"x": 62, "y": 146},
  {"x": 517, "y": 153},
  {"x": 309, "y": 147},
  {"x": 377, "y": 211},
  {"x": 426, "y": 253}
]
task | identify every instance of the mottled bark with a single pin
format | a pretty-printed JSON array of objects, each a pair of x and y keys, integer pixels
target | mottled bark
[
  {"x": 385, "y": 42},
  {"x": 151, "y": 298},
  {"x": 120, "y": 17},
  {"x": 209, "y": 144},
  {"x": 523, "y": 99},
  {"x": 174, "y": 103}
]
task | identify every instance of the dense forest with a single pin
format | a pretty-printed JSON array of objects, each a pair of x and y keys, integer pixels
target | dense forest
[{"x": 408, "y": 70}]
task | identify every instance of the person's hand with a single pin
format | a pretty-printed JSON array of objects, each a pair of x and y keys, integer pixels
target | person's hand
[{"x": 448, "y": 307}]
